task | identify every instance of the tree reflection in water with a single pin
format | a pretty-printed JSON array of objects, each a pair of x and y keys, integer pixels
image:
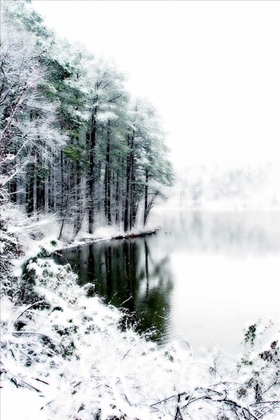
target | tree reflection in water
[
  {"x": 126, "y": 275},
  {"x": 204, "y": 254}
]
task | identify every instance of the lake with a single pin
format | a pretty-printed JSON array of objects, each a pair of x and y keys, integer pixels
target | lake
[{"x": 199, "y": 280}]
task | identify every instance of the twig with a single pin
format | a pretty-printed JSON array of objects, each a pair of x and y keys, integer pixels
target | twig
[
  {"x": 28, "y": 307},
  {"x": 129, "y": 351},
  {"x": 274, "y": 383},
  {"x": 265, "y": 402},
  {"x": 130, "y": 297},
  {"x": 20, "y": 382},
  {"x": 40, "y": 380},
  {"x": 185, "y": 341},
  {"x": 239, "y": 407},
  {"x": 162, "y": 401}
]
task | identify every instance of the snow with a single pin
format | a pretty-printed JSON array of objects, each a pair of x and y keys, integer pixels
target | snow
[
  {"x": 27, "y": 406},
  {"x": 94, "y": 366},
  {"x": 65, "y": 356}
]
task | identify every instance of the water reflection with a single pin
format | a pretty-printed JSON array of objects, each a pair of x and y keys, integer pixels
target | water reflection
[
  {"x": 203, "y": 276},
  {"x": 240, "y": 232},
  {"x": 126, "y": 275}
]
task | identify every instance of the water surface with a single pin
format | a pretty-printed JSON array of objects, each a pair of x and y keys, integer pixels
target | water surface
[{"x": 200, "y": 279}]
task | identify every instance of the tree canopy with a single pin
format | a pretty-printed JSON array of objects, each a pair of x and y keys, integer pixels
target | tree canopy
[{"x": 73, "y": 141}]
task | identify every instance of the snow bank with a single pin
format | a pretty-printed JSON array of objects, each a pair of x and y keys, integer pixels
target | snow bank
[{"x": 66, "y": 356}]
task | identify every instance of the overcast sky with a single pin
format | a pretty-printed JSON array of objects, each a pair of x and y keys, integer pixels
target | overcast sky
[{"x": 211, "y": 69}]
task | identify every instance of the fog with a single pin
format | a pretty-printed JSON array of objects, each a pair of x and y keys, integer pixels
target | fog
[
  {"x": 232, "y": 187},
  {"x": 211, "y": 69}
]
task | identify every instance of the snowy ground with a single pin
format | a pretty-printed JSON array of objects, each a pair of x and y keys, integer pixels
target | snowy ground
[{"x": 67, "y": 356}]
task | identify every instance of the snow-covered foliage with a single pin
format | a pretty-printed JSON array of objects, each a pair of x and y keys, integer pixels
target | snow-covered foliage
[
  {"x": 27, "y": 118},
  {"x": 70, "y": 356},
  {"x": 71, "y": 140}
]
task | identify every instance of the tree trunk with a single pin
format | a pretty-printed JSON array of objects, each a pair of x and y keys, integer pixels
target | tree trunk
[
  {"x": 13, "y": 190},
  {"x": 30, "y": 189},
  {"x": 146, "y": 197},
  {"x": 107, "y": 178},
  {"x": 117, "y": 200},
  {"x": 40, "y": 184},
  {"x": 127, "y": 211},
  {"x": 133, "y": 195},
  {"x": 91, "y": 139},
  {"x": 78, "y": 220}
]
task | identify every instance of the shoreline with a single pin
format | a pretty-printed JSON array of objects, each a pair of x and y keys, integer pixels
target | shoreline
[{"x": 91, "y": 240}]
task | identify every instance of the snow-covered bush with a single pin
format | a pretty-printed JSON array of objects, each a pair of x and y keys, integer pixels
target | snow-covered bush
[
  {"x": 259, "y": 371},
  {"x": 9, "y": 249}
]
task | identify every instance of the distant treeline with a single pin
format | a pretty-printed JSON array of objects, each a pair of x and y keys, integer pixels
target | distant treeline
[{"x": 235, "y": 186}]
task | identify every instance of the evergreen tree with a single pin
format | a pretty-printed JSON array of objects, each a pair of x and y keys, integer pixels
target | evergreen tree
[{"x": 72, "y": 142}]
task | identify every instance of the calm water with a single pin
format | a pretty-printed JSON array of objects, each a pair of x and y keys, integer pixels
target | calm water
[{"x": 201, "y": 278}]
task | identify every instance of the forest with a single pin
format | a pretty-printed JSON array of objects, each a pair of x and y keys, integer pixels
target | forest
[{"x": 73, "y": 141}]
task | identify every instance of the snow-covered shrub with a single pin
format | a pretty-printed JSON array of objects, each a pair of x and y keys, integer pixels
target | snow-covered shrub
[
  {"x": 9, "y": 249},
  {"x": 259, "y": 371}
]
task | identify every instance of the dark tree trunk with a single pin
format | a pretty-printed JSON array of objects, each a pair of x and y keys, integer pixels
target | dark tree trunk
[
  {"x": 117, "y": 200},
  {"x": 107, "y": 179},
  {"x": 146, "y": 197},
  {"x": 40, "y": 184},
  {"x": 79, "y": 213},
  {"x": 127, "y": 211},
  {"x": 91, "y": 139},
  {"x": 40, "y": 195},
  {"x": 30, "y": 189},
  {"x": 133, "y": 195},
  {"x": 13, "y": 190}
]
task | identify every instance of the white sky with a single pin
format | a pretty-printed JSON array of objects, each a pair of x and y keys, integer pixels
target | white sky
[{"x": 211, "y": 68}]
